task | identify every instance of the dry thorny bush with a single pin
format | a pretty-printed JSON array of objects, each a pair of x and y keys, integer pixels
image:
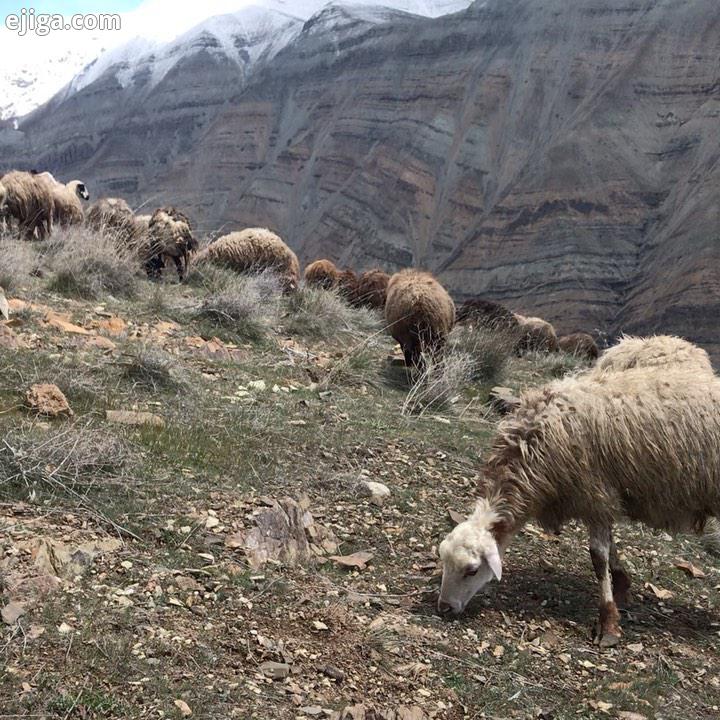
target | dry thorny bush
[
  {"x": 247, "y": 305},
  {"x": 90, "y": 264},
  {"x": 324, "y": 314},
  {"x": 472, "y": 355},
  {"x": 71, "y": 458}
]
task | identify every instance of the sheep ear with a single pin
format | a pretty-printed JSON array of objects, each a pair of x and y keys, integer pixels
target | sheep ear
[{"x": 492, "y": 557}]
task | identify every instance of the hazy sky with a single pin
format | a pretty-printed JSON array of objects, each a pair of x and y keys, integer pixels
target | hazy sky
[{"x": 67, "y": 7}]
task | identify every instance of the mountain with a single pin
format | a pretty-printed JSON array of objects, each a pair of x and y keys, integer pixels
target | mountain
[
  {"x": 559, "y": 157},
  {"x": 35, "y": 68},
  {"x": 29, "y": 78}
]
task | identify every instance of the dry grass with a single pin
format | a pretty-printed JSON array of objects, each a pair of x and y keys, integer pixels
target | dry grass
[
  {"x": 89, "y": 265},
  {"x": 19, "y": 262},
  {"x": 483, "y": 352},
  {"x": 323, "y": 314},
  {"x": 473, "y": 356},
  {"x": 63, "y": 461},
  {"x": 152, "y": 368},
  {"x": 246, "y": 305}
]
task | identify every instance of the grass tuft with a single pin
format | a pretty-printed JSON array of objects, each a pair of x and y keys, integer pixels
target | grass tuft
[
  {"x": 89, "y": 265},
  {"x": 152, "y": 369},
  {"x": 20, "y": 262},
  {"x": 482, "y": 352},
  {"x": 248, "y": 306},
  {"x": 322, "y": 315}
]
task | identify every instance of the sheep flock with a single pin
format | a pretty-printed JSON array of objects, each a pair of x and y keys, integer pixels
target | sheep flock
[{"x": 633, "y": 436}]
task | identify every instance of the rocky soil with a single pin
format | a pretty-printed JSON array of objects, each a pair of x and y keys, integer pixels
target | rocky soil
[{"x": 233, "y": 528}]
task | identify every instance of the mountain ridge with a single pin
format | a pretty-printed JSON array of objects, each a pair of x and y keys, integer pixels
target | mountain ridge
[{"x": 562, "y": 160}]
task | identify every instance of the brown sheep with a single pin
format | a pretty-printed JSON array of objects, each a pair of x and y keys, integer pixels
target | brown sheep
[
  {"x": 169, "y": 235},
  {"x": 347, "y": 285},
  {"x": 580, "y": 345},
  {"x": 538, "y": 335},
  {"x": 253, "y": 251},
  {"x": 112, "y": 215},
  {"x": 29, "y": 201},
  {"x": 321, "y": 274},
  {"x": 372, "y": 289},
  {"x": 419, "y": 313},
  {"x": 487, "y": 313},
  {"x": 639, "y": 444}
]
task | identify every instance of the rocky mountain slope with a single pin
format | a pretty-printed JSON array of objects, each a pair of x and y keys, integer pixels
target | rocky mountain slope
[{"x": 562, "y": 158}]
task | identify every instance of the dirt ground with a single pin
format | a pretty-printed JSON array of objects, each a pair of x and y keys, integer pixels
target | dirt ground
[{"x": 129, "y": 589}]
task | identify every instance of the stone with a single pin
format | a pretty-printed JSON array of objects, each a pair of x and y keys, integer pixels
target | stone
[
  {"x": 48, "y": 400},
  {"x": 9, "y": 340},
  {"x": 12, "y": 612},
  {"x": 377, "y": 492},
  {"x": 132, "y": 417},
  {"x": 275, "y": 670}
]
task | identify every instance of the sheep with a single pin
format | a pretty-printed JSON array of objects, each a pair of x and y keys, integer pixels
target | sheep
[
  {"x": 67, "y": 208},
  {"x": 594, "y": 449},
  {"x": 3, "y": 207},
  {"x": 113, "y": 215},
  {"x": 347, "y": 285},
  {"x": 580, "y": 345},
  {"x": 537, "y": 335},
  {"x": 372, "y": 289},
  {"x": 321, "y": 274},
  {"x": 29, "y": 201},
  {"x": 419, "y": 313},
  {"x": 488, "y": 314},
  {"x": 252, "y": 251},
  {"x": 655, "y": 351},
  {"x": 169, "y": 235}
]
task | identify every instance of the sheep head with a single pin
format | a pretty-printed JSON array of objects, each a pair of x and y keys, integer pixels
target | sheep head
[
  {"x": 471, "y": 557},
  {"x": 79, "y": 189}
]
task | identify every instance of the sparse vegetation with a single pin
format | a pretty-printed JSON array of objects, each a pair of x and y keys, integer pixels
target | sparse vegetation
[
  {"x": 246, "y": 305},
  {"x": 315, "y": 407},
  {"x": 19, "y": 262},
  {"x": 90, "y": 265},
  {"x": 151, "y": 368},
  {"x": 322, "y": 314}
]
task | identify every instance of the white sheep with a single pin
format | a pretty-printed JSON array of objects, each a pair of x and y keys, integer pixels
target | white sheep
[{"x": 640, "y": 444}]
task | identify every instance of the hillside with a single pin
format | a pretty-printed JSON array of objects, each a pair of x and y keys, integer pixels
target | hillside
[
  {"x": 559, "y": 157},
  {"x": 153, "y": 566}
]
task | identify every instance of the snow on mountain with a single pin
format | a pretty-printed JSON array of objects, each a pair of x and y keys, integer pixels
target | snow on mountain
[
  {"x": 33, "y": 69},
  {"x": 158, "y": 35},
  {"x": 244, "y": 37}
]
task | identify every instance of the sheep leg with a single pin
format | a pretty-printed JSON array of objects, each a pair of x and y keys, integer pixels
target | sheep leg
[
  {"x": 179, "y": 267},
  {"x": 620, "y": 578},
  {"x": 609, "y": 631}
]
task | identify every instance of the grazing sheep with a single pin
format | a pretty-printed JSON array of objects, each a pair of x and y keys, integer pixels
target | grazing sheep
[
  {"x": 112, "y": 215},
  {"x": 169, "y": 235},
  {"x": 347, "y": 285},
  {"x": 29, "y": 201},
  {"x": 487, "y": 313},
  {"x": 321, "y": 274},
  {"x": 594, "y": 449},
  {"x": 419, "y": 314},
  {"x": 537, "y": 335},
  {"x": 67, "y": 205},
  {"x": 372, "y": 289},
  {"x": 656, "y": 351},
  {"x": 579, "y": 344},
  {"x": 253, "y": 251}
]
